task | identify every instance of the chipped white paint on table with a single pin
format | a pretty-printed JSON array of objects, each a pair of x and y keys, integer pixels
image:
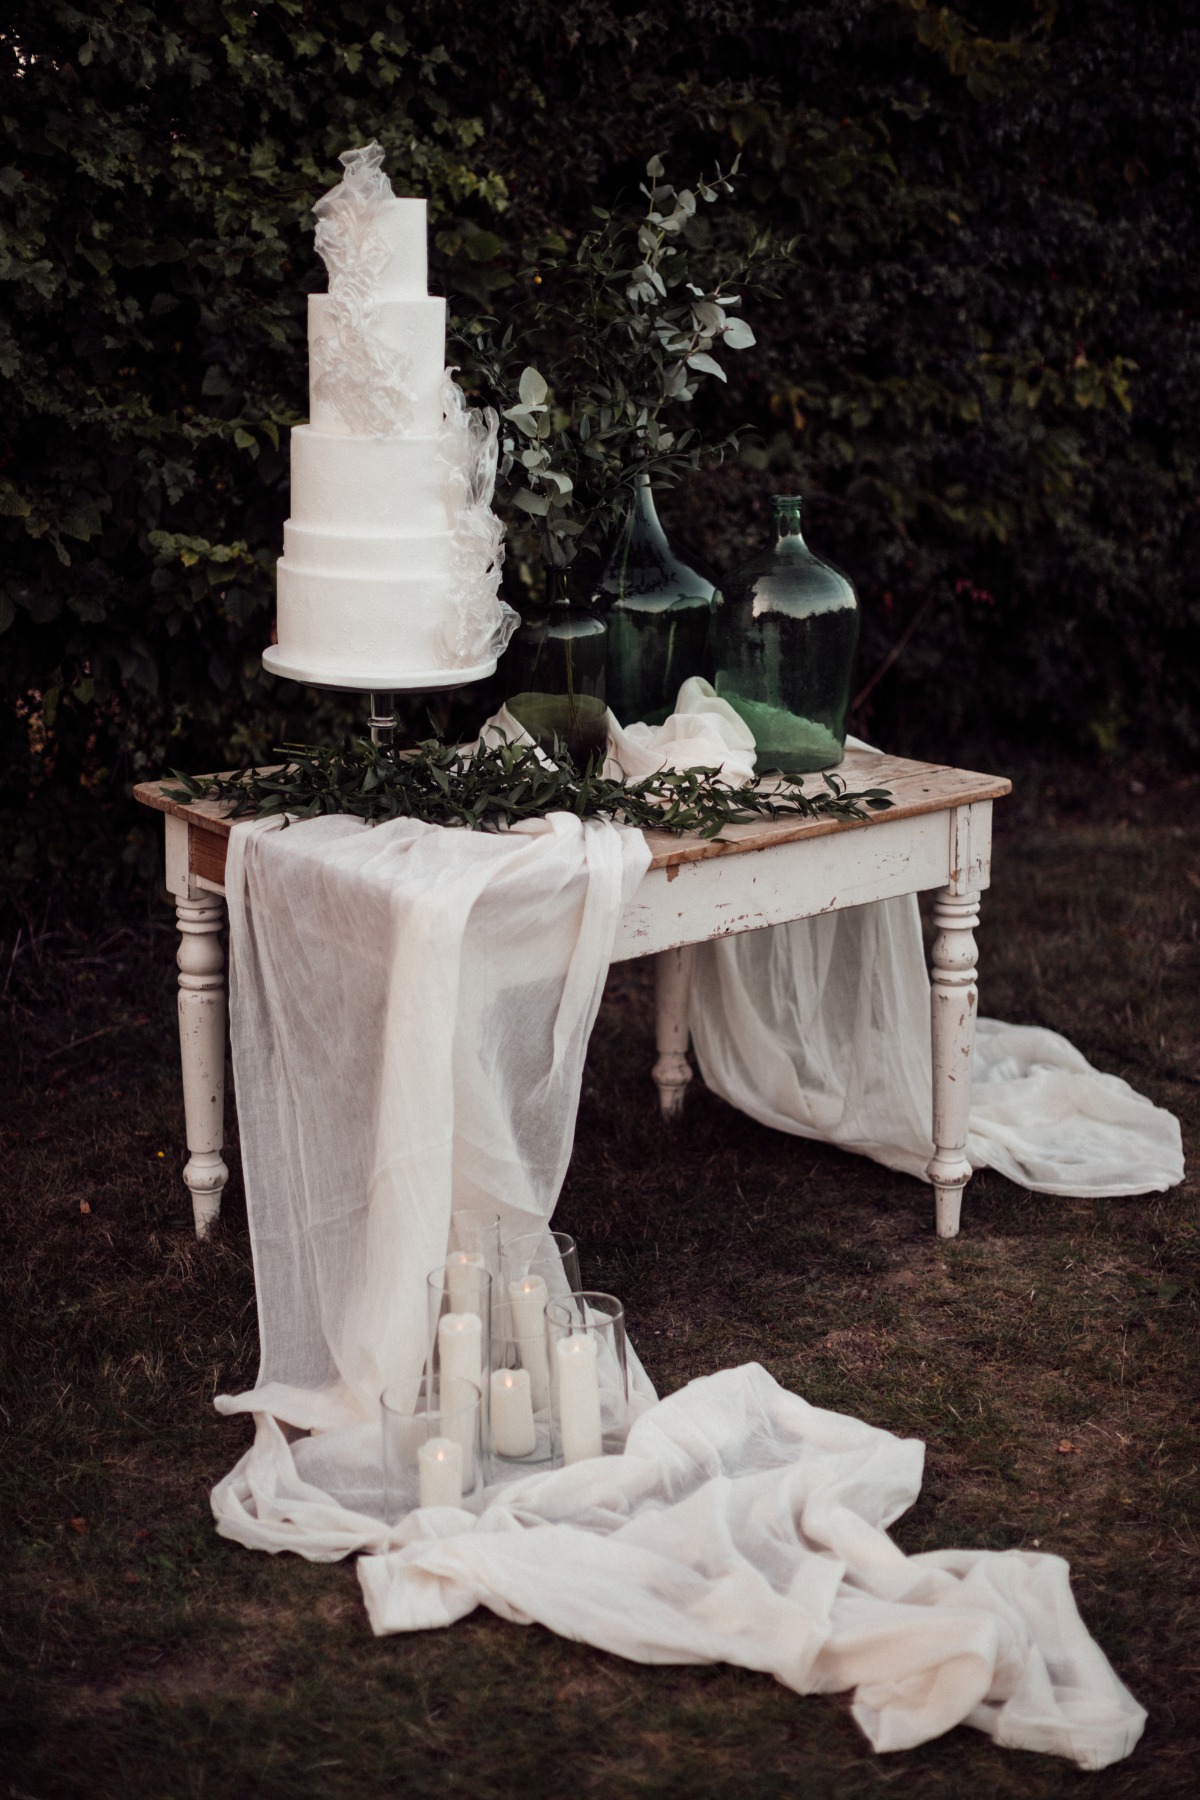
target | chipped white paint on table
[{"x": 937, "y": 836}]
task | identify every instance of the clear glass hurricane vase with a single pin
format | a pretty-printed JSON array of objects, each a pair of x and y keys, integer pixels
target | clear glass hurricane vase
[
  {"x": 589, "y": 1376},
  {"x": 434, "y": 1450}
]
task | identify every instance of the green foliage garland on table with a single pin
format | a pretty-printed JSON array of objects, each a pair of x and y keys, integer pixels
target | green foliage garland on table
[
  {"x": 499, "y": 784},
  {"x": 982, "y": 366}
]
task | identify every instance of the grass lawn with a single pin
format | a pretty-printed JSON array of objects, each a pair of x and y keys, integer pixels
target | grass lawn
[{"x": 1049, "y": 1359}]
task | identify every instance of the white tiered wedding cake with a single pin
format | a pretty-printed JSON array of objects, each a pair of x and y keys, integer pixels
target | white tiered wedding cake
[{"x": 391, "y": 560}]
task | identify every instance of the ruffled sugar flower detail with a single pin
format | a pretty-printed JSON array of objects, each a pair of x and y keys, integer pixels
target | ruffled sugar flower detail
[
  {"x": 365, "y": 380},
  {"x": 477, "y": 624}
]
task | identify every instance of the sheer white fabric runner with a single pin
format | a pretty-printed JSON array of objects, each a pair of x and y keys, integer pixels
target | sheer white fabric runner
[
  {"x": 821, "y": 1028},
  {"x": 410, "y": 1013}
]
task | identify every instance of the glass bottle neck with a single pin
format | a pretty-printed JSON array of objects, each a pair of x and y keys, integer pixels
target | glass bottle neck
[
  {"x": 785, "y": 512},
  {"x": 643, "y": 511},
  {"x": 640, "y": 538}
]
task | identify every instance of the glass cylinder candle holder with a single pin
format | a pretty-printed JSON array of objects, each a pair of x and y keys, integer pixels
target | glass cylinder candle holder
[
  {"x": 519, "y": 1399},
  {"x": 474, "y": 1232},
  {"x": 551, "y": 1255},
  {"x": 589, "y": 1376},
  {"x": 433, "y": 1454},
  {"x": 460, "y": 1329}
]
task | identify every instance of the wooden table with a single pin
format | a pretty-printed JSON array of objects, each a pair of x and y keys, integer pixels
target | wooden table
[{"x": 937, "y": 836}]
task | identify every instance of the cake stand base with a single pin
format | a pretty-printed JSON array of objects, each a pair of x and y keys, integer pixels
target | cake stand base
[{"x": 377, "y": 680}]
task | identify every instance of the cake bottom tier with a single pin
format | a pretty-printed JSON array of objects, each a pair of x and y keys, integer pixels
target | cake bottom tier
[{"x": 366, "y": 632}]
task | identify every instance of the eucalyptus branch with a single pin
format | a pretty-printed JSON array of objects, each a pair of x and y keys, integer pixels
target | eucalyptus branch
[
  {"x": 495, "y": 786},
  {"x": 618, "y": 332}
]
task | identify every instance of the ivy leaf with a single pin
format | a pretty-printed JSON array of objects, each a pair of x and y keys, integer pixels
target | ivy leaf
[
  {"x": 13, "y": 505},
  {"x": 483, "y": 246}
]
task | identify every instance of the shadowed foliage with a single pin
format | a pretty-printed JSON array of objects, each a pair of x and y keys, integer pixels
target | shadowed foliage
[{"x": 981, "y": 365}]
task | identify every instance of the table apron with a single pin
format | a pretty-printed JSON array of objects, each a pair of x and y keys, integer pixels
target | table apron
[
  {"x": 688, "y": 903},
  {"x": 720, "y": 896}
]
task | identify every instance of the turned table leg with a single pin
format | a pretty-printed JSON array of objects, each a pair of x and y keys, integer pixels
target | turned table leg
[
  {"x": 672, "y": 986},
  {"x": 202, "y": 1050},
  {"x": 954, "y": 1005}
]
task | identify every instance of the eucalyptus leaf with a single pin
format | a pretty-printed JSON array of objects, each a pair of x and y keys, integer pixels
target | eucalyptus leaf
[
  {"x": 532, "y": 388},
  {"x": 737, "y": 335},
  {"x": 524, "y": 421},
  {"x": 530, "y": 502}
]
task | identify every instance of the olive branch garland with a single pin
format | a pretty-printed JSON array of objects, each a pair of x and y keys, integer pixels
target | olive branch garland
[{"x": 499, "y": 784}]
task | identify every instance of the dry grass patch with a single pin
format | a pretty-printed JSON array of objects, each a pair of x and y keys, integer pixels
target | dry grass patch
[{"x": 147, "y": 1657}]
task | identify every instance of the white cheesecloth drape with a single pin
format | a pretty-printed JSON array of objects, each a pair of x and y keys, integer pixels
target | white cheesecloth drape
[
  {"x": 744, "y": 1526},
  {"x": 410, "y": 1010},
  {"x": 821, "y": 1029}
]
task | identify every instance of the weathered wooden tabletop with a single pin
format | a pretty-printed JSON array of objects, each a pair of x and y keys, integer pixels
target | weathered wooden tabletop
[{"x": 915, "y": 787}]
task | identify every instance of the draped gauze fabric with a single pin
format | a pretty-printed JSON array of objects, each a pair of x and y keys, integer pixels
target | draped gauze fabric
[
  {"x": 410, "y": 1010},
  {"x": 744, "y": 1526},
  {"x": 821, "y": 1028}
]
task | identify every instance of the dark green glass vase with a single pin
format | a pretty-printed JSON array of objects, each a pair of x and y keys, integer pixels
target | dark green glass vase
[
  {"x": 784, "y": 645},
  {"x": 554, "y": 675},
  {"x": 657, "y": 610}
]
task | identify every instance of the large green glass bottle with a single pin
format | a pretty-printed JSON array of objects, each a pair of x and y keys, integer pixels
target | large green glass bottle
[
  {"x": 784, "y": 644},
  {"x": 554, "y": 674},
  {"x": 657, "y": 610}
]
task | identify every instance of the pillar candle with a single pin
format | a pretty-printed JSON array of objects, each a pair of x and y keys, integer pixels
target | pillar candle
[
  {"x": 528, "y": 1301},
  {"x": 578, "y": 1398},
  {"x": 464, "y": 1269},
  {"x": 460, "y": 1351},
  {"x": 513, "y": 1429},
  {"x": 440, "y": 1463}
]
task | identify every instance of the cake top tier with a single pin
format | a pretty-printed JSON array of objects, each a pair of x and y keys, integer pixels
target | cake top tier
[
  {"x": 371, "y": 243},
  {"x": 401, "y": 226}
]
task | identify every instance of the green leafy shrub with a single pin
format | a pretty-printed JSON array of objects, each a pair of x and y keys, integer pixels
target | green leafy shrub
[{"x": 982, "y": 366}]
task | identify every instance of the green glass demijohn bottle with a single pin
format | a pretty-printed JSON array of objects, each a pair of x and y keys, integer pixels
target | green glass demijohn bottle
[
  {"x": 784, "y": 645},
  {"x": 657, "y": 610},
  {"x": 554, "y": 674}
]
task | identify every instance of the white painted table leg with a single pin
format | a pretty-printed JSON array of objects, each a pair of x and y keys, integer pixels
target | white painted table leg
[
  {"x": 202, "y": 1051},
  {"x": 672, "y": 987},
  {"x": 954, "y": 1005}
]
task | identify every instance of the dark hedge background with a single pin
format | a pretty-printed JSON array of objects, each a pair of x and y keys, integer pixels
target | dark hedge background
[{"x": 983, "y": 369}]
